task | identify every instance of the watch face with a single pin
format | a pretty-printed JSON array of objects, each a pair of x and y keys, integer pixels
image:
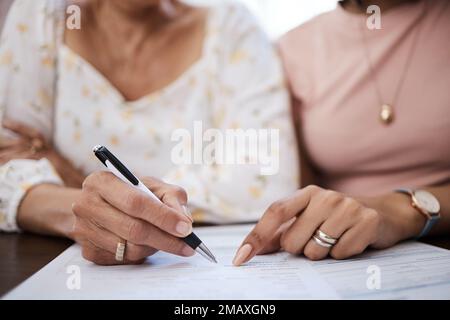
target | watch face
[{"x": 427, "y": 201}]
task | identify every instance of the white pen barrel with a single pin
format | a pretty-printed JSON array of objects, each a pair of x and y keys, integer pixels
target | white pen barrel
[
  {"x": 140, "y": 185},
  {"x": 143, "y": 188}
]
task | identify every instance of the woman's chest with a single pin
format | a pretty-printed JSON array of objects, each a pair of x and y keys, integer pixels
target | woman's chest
[
  {"x": 342, "y": 128},
  {"x": 90, "y": 111}
]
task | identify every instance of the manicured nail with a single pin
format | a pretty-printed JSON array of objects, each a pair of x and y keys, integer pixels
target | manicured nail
[
  {"x": 187, "y": 251},
  {"x": 187, "y": 213},
  {"x": 242, "y": 254},
  {"x": 183, "y": 228}
]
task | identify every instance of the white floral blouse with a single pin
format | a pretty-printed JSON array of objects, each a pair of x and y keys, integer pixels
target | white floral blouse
[{"x": 237, "y": 83}]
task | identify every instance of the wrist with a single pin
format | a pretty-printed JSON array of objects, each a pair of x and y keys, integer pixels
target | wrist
[
  {"x": 47, "y": 209},
  {"x": 69, "y": 174},
  {"x": 401, "y": 219}
]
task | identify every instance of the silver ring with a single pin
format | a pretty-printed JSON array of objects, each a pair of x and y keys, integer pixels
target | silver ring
[
  {"x": 325, "y": 238},
  {"x": 321, "y": 243},
  {"x": 120, "y": 251}
]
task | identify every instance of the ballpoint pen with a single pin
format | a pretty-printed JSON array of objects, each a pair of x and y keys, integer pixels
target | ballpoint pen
[{"x": 119, "y": 170}]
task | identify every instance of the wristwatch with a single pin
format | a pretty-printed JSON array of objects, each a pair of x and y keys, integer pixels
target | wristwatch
[{"x": 426, "y": 204}]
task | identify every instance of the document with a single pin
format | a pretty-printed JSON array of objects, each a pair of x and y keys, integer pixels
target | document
[{"x": 409, "y": 270}]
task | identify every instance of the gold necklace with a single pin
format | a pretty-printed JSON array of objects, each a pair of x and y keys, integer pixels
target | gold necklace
[{"x": 386, "y": 114}]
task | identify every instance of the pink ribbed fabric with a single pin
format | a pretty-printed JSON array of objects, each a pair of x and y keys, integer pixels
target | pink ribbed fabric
[{"x": 339, "y": 109}]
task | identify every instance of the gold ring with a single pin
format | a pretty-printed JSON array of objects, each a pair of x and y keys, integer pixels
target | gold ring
[{"x": 120, "y": 250}]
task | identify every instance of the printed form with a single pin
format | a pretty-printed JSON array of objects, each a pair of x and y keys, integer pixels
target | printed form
[{"x": 409, "y": 270}]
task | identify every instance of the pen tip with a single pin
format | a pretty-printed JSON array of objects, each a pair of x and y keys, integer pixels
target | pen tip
[{"x": 204, "y": 251}]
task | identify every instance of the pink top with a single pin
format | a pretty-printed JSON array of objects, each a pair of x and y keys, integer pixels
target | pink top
[{"x": 339, "y": 108}]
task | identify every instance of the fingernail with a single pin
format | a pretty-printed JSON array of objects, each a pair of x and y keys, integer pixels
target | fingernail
[
  {"x": 187, "y": 251},
  {"x": 187, "y": 213},
  {"x": 242, "y": 254},
  {"x": 183, "y": 228}
]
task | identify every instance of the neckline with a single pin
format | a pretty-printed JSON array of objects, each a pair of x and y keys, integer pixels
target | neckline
[{"x": 115, "y": 93}]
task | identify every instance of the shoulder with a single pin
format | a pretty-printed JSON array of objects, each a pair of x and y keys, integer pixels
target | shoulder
[
  {"x": 35, "y": 10},
  {"x": 35, "y": 19},
  {"x": 305, "y": 35}
]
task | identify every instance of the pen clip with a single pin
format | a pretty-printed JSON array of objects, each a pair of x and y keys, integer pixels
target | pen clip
[{"x": 103, "y": 154}]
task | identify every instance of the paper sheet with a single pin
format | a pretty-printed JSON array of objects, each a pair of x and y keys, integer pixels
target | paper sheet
[{"x": 407, "y": 271}]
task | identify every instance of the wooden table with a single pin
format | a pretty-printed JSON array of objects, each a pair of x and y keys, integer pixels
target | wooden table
[{"x": 24, "y": 254}]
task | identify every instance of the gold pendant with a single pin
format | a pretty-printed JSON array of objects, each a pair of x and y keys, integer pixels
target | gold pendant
[{"x": 386, "y": 114}]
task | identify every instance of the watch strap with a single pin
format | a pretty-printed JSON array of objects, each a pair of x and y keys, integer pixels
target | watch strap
[
  {"x": 405, "y": 191},
  {"x": 428, "y": 226},
  {"x": 430, "y": 221}
]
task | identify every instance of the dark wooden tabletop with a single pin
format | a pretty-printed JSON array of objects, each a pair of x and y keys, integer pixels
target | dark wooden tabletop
[{"x": 24, "y": 254}]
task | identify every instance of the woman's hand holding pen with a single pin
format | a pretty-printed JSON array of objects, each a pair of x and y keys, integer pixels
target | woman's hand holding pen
[
  {"x": 109, "y": 211},
  {"x": 316, "y": 223}
]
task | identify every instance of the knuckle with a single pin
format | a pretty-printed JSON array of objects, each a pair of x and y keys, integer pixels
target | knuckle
[
  {"x": 256, "y": 239},
  {"x": 277, "y": 210},
  {"x": 160, "y": 217},
  {"x": 374, "y": 225},
  {"x": 290, "y": 247},
  {"x": 90, "y": 181},
  {"x": 88, "y": 253},
  {"x": 351, "y": 207},
  {"x": 338, "y": 253},
  {"x": 179, "y": 193},
  {"x": 332, "y": 197},
  {"x": 103, "y": 176},
  {"x": 96, "y": 179},
  {"x": 312, "y": 188},
  {"x": 136, "y": 232},
  {"x": 84, "y": 204},
  {"x": 77, "y": 208},
  {"x": 151, "y": 181},
  {"x": 371, "y": 216},
  {"x": 135, "y": 202}
]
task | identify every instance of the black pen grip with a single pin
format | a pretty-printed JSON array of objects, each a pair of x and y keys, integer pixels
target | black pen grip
[{"x": 192, "y": 241}]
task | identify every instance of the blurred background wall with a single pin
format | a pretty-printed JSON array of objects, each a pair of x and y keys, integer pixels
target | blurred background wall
[
  {"x": 279, "y": 16},
  {"x": 276, "y": 16}
]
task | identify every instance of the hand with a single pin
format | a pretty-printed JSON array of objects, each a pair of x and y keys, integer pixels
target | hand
[
  {"x": 109, "y": 210},
  {"x": 357, "y": 223},
  {"x": 31, "y": 144}
]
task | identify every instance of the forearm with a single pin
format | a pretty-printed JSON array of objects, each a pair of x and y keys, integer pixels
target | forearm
[{"x": 47, "y": 209}]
